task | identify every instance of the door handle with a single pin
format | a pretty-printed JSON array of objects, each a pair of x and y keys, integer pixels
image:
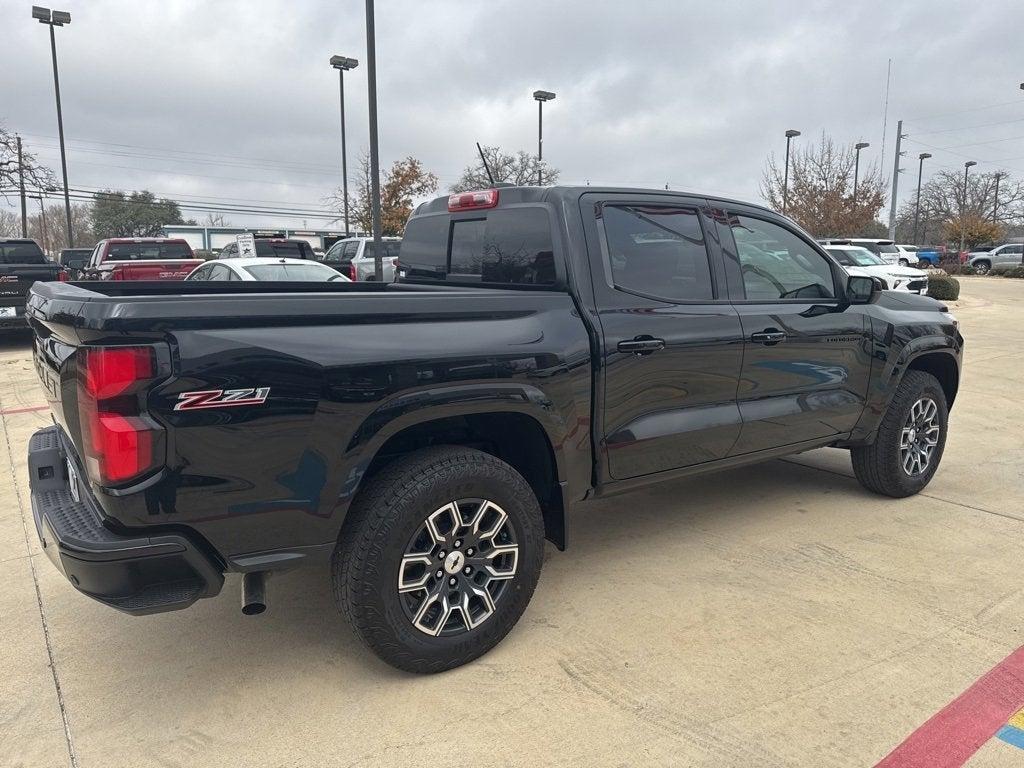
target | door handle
[
  {"x": 641, "y": 345},
  {"x": 768, "y": 336}
]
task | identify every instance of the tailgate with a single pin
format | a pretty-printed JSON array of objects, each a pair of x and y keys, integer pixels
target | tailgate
[
  {"x": 170, "y": 269},
  {"x": 15, "y": 280}
]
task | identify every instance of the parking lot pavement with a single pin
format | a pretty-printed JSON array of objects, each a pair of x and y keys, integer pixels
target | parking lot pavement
[{"x": 773, "y": 615}]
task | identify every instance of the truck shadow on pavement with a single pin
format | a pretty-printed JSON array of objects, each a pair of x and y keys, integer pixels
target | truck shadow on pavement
[{"x": 303, "y": 627}]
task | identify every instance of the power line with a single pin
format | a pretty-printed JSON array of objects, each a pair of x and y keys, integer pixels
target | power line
[
  {"x": 969, "y": 127},
  {"x": 962, "y": 111}
]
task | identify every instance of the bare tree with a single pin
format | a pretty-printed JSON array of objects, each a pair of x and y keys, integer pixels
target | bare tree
[
  {"x": 37, "y": 175},
  {"x": 215, "y": 220},
  {"x": 820, "y": 196},
  {"x": 519, "y": 169},
  {"x": 943, "y": 203},
  {"x": 405, "y": 181},
  {"x": 47, "y": 227}
]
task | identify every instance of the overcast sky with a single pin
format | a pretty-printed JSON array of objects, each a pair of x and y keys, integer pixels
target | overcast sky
[{"x": 223, "y": 100}]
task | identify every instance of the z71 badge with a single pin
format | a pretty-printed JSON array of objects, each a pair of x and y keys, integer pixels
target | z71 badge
[{"x": 221, "y": 398}]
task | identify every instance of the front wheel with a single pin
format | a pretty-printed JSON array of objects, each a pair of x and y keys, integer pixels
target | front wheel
[
  {"x": 982, "y": 267},
  {"x": 439, "y": 557},
  {"x": 908, "y": 448},
  {"x": 904, "y": 263}
]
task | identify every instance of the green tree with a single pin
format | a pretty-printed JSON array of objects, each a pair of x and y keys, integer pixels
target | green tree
[{"x": 135, "y": 214}]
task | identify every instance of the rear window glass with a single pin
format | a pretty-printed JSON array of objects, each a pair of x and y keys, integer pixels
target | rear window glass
[
  {"x": 21, "y": 253},
  {"x": 391, "y": 249},
  {"x": 300, "y": 272},
  {"x": 510, "y": 246},
  {"x": 887, "y": 248},
  {"x": 289, "y": 249},
  {"x": 148, "y": 251}
]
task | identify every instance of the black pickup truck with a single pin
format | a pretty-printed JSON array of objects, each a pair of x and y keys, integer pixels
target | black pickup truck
[
  {"x": 22, "y": 263},
  {"x": 541, "y": 348}
]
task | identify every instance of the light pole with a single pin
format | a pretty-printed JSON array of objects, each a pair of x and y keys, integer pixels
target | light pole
[
  {"x": 42, "y": 216},
  {"x": 917, "y": 207},
  {"x": 343, "y": 64},
  {"x": 371, "y": 92},
  {"x": 995, "y": 206},
  {"x": 541, "y": 97},
  {"x": 58, "y": 19},
  {"x": 963, "y": 205},
  {"x": 785, "y": 176},
  {"x": 856, "y": 167}
]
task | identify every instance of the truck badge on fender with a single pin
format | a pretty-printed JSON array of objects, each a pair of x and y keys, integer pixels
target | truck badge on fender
[{"x": 221, "y": 398}]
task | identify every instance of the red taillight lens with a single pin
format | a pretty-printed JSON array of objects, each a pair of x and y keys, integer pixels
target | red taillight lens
[
  {"x": 351, "y": 271},
  {"x": 469, "y": 201},
  {"x": 119, "y": 444},
  {"x": 62, "y": 276}
]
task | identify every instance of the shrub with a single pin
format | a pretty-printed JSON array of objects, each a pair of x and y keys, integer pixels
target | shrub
[
  {"x": 943, "y": 287},
  {"x": 959, "y": 269},
  {"x": 1012, "y": 272}
]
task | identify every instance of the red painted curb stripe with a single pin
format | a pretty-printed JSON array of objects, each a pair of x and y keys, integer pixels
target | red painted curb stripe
[
  {"x": 29, "y": 409},
  {"x": 956, "y": 732}
]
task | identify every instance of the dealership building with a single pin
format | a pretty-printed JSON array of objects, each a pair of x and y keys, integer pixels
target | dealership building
[{"x": 215, "y": 238}]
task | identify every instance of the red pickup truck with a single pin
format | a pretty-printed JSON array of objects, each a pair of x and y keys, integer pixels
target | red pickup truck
[{"x": 141, "y": 258}]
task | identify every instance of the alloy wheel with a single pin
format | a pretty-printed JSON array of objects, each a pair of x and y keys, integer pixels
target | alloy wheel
[
  {"x": 919, "y": 436},
  {"x": 457, "y": 566}
]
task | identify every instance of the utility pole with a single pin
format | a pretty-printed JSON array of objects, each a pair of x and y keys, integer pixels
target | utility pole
[
  {"x": 21, "y": 189},
  {"x": 895, "y": 180},
  {"x": 917, "y": 206},
  {"x": 371, "y": 88},
  {"x": 995, "y": 207}
]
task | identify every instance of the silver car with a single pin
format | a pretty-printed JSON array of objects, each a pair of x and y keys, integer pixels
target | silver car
[
  {"x": 359, "y": 250},
  {"x": 998, "y": 259}
]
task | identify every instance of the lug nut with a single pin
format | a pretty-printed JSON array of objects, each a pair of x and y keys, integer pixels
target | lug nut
[
  {"x": 467, "y": 570},
  {"x": 440, "y": 555},
  {"x": 458, "y": 543},
  {"x": 451, "y": 581},
  {"x": 469, "y": 552},
  {"x": 439, "y": 573}
]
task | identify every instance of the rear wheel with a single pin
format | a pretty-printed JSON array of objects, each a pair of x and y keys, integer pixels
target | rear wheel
[
  {"x": 908, "y": 448},
  {"x": 439, "y": 558}
]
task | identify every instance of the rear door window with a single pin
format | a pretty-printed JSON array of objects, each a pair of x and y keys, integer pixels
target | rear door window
[{"x": 658, "y": 251}]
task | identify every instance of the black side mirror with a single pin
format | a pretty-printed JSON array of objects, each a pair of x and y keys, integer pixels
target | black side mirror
[{"x": 861, "y": 290}]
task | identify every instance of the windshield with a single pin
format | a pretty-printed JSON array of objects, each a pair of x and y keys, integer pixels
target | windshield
[
  {"x": 148, "y": 251},
  {"x": 311, "y": 273},
  {"x": 25, "y": 252},
  {"x": 856, "y": 257},
  {"x": 284, "y": 249}
]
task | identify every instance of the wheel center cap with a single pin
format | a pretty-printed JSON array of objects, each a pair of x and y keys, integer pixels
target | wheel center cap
[{"x": 454, "y": 562}]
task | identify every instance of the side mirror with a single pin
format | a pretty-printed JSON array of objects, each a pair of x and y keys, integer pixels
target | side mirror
[{"x": 861, "y": 289}]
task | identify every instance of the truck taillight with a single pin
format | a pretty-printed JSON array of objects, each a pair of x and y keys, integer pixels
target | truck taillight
[
  {"x": 62, "y": 276},
  {"x": 471, "y": 201},
  {"x": 351, "y": 272},
  {"x": 119, "y": 443}
]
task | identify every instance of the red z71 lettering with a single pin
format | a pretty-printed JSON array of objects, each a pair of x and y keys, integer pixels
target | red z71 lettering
[{"x": 221, "y": 398}]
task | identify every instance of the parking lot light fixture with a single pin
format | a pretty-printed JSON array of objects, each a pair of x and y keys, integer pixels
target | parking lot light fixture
[
  {"x": 541, "y": 97},
  {"x": 343, "y": 64},
  {"x": 917, "y": 207},
  {"x": 963, "y": 204},
  {"x": 790, "y": 134},
  {"x": 58, "y": 19},
  {"x": 856, "y": 167}
]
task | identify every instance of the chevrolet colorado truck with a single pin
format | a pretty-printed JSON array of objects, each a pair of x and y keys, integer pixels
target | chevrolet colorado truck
[{"x": 541, "y": 348}]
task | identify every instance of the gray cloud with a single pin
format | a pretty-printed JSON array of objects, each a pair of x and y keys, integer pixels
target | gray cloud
[{"x": 693, "y": 95}]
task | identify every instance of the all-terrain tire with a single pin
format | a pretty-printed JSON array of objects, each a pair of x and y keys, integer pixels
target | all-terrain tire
[
  {"x": 386, "y": 516},
  {"x": 879, "y": 466}
]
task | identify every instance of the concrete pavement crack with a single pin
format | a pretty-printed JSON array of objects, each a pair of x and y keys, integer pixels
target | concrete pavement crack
[
  {"x": 73, "y": 758},
  {"x": 926, "y": 495}
]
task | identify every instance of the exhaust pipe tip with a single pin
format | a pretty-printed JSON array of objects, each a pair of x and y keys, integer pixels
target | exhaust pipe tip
[{"x": 254, "y": 593}]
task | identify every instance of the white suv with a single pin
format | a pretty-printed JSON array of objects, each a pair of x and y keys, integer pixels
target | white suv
[
  {"x": 1003, "y": 257},
  {"x": 886, "y": 250},
  {"x": 359, "y": 251}
]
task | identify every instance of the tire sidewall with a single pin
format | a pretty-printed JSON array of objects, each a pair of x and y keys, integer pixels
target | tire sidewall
[
  {"x": 925, "y": 386},
  {"x": 493, "y": 481}
]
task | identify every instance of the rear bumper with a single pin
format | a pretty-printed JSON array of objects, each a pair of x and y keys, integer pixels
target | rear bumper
[
  {"x": 17, "y": 320},
  {"x": 134, "y": 573}
]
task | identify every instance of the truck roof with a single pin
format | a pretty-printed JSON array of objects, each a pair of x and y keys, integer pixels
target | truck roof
[{"x": 572, "y": 192}]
